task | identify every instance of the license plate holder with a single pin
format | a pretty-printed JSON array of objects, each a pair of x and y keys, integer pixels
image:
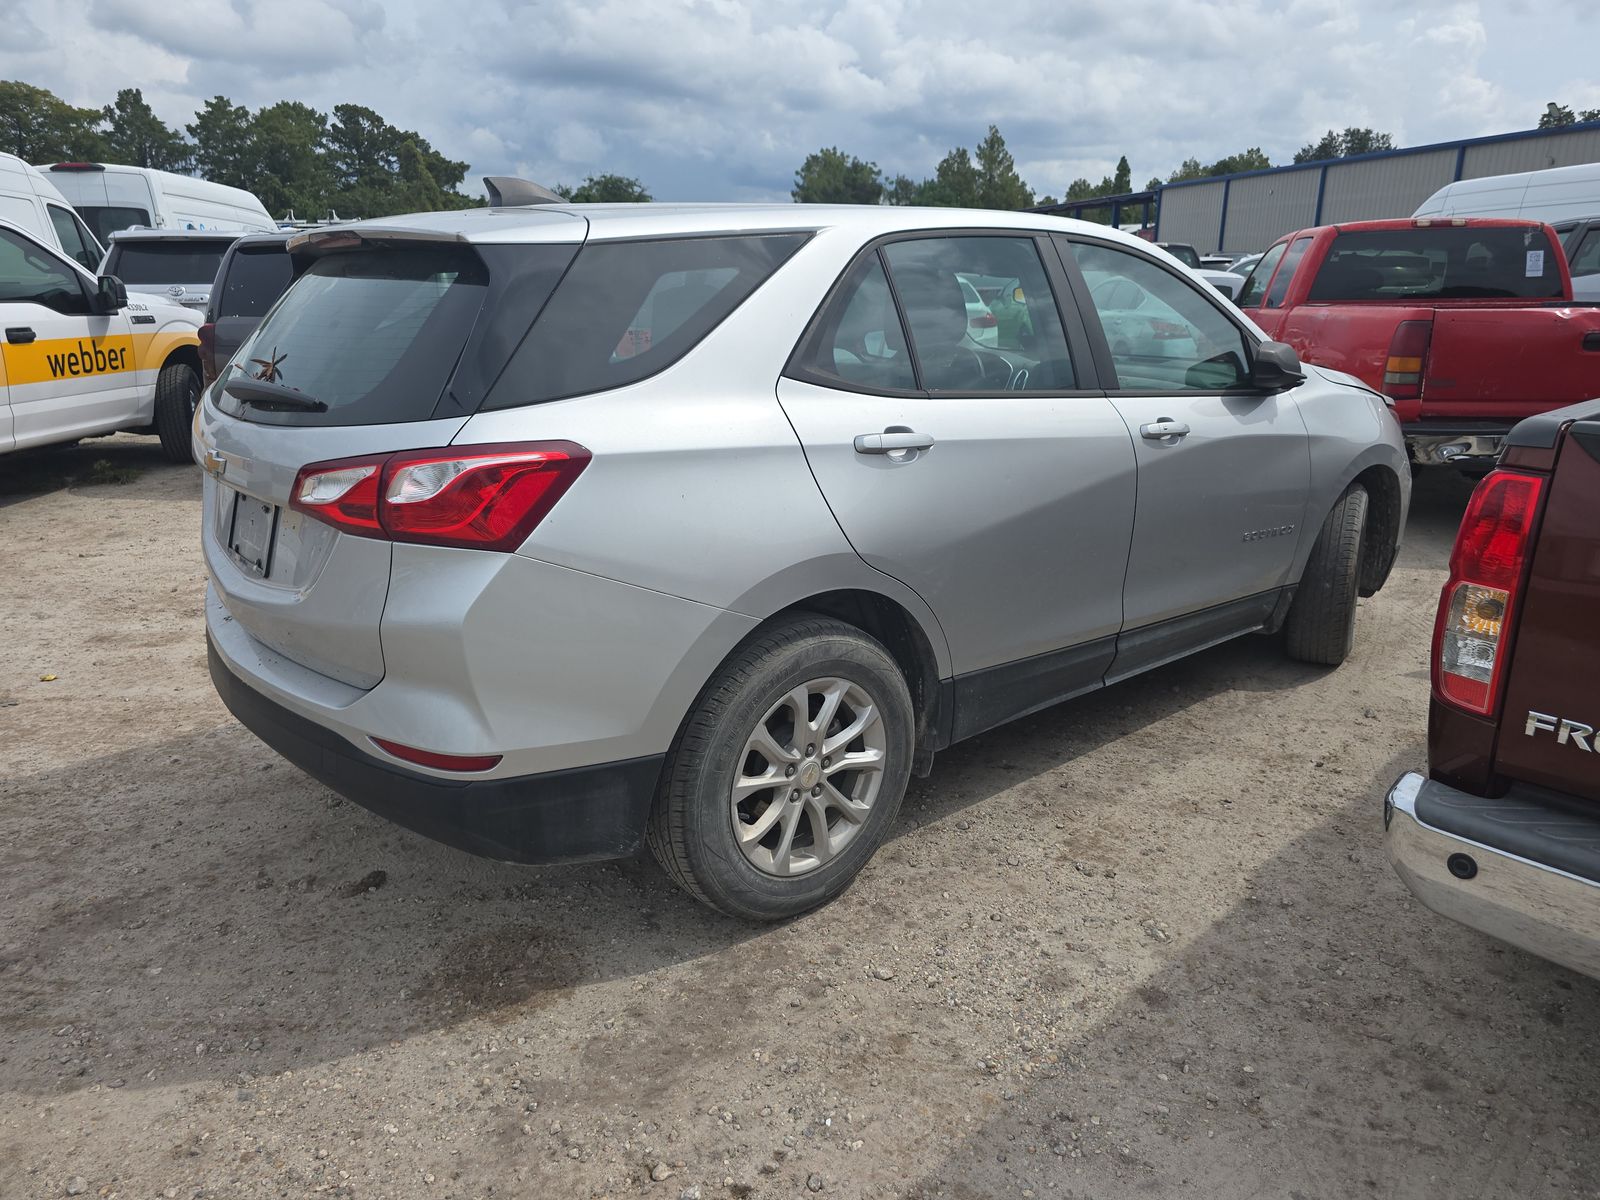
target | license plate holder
[{"x": 251, "y": 534}]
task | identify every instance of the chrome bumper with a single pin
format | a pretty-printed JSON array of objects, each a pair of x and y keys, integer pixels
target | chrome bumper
[
  {"x": 1432, "y": 450},
  {"x": 1547, "y": 911}
]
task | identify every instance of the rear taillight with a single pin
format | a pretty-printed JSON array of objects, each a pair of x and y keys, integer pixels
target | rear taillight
[
  {"x": 1166, "y": 331},
  {"x": 1408, "y": 350},
  {"x": 1479, "y": 600},
  {"x": 475, "y": 497},
  {"x": 985, "y": 320},
  {"x": 208, "y": 353}
]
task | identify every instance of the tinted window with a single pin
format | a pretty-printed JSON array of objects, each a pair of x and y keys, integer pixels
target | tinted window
[
  {"x": 372, "y": 333},
  {"x": 71, "y": 232},
  {"x": 256, "y": 278},
  {"x": 1255, "y": 284},
  {"x": 30, "y": 274},
  {"x": 1586, "y": 255},
  {"x": 858, "y": 339},
  {"x": 981, "y": 314},
  {"x": 106, "y": 219},
  {"x": 1291, "y": 263},
  {"x": 190, "y": 261},
  {"x": 1440, "y": 261},
  {"x": 1164, "y": 334},
  {"x": 626, "y": 310}
]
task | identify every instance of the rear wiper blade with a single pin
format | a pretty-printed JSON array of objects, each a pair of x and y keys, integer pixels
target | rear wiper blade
[{"x": 273, "y": 397}]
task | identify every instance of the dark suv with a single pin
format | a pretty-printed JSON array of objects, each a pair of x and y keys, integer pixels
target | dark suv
[
  {"x": 1503, "y": 834},
  {"x": 251, "y": 276}
]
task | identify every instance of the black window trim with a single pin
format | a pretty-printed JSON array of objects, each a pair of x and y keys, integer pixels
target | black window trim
[
  {"x": 1102, "y": 348},
  {"x": 1084, "y": 366}
]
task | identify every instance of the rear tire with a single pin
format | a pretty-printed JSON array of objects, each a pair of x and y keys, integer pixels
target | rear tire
[
  {"x": 701, "y": 810},
  {"x": 177, "y": 393},
  {"x": 1321, "y": 626}
]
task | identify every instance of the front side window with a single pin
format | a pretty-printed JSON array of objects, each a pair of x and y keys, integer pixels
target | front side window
[
  {"x": 73, "y": 237},
  {"x": 625, "y": 310},
  {"x": 1164, "y": 335},
  {"x": 1255, "y": 287},
  {"x": 858, "y": 341},
  {"x": 29, "y": 274},
  {"x": 1291, "y": 263},
  {"x": 981, "y": 315}
]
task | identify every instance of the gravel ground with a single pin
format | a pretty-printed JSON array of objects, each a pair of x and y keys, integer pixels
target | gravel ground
[{"x": 1142, "y": 944}]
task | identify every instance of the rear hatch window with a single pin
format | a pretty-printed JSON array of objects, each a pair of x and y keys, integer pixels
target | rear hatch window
[
  {"x": 1440, "y": 262},
  {"x": 148, "y": 263},
  {"x": 256, "y": 277}
]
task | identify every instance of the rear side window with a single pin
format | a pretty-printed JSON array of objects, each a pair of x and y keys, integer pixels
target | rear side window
[
  {"x": 188, "y": 262},
  {"x": 1440, "y": 262},
  {"x": 859, "y": 343},
  {"x": 1586, "y": 255},
  {"x": 374, "y": 334},
  {"x": 256, "y": 278},
  {"x": 1291, "y": 264},
  {"x": 106, "y": 219},
  {"x": 626, "y": 310},
  {"x": 1255, "y": 287}
]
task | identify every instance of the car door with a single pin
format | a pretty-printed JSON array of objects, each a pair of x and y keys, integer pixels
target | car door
[
  {"x": 69, "y": 372},
  {"x": 977, "y": 465},
  {"x": 1223, "y": 467}
]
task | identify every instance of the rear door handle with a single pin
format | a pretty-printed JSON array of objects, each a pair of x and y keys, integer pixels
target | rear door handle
[
  {"x": 1164, "y": 428},
  {"x": 19, "y": 335},
  {"x": 890, "y": 441}
]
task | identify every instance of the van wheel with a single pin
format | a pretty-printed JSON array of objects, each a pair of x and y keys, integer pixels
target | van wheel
[
  {"x": 788, "y": 773},
  {"x": 177, "y": 393},
  {"x": 1321, "y": 626}
]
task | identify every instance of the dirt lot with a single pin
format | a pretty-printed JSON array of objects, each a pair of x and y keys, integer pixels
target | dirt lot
[{"x": 1143, "y": 944}]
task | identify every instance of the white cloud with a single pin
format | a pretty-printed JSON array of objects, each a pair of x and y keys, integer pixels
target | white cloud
[{"x": 722, "y": 99}]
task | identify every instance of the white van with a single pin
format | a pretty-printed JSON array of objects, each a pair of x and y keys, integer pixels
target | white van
[
  {"x": 29, "y": 201},
  {"x": 1552, "y": 195},
  {"x": 111, "y": 197}
]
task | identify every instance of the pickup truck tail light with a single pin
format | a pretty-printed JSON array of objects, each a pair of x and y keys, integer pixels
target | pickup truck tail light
[
  {"x": 474, "y": 497},
  {"x": 1408, "y": 351},
  {"x": 1478, "y": 604}
]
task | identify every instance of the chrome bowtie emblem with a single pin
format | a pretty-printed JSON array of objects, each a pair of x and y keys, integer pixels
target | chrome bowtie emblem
[{"x": 215, "y": 464}]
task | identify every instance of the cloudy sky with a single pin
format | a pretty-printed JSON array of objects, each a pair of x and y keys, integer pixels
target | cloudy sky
[{"x": 722, "y": 99}]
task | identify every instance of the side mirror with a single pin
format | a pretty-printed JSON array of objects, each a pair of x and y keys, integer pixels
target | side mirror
[
  {"x": 109, "y": 296},
  {"x": 1277, "y": 368}
]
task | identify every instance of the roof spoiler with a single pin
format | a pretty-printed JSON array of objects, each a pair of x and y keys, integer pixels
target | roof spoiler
[{"x": 507, "y": 191}]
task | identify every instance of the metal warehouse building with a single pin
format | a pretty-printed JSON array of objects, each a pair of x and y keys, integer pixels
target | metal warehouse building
[{"x": 1247, "y": 212}]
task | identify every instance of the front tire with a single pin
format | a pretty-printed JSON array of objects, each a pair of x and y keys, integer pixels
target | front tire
[
  {"x": 177, "y": 393},
  {"x": 788, "y": 773},
  {"x": 1321, "y": 626}
]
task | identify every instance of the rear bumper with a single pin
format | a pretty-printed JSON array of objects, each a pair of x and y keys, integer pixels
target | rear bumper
[
  {"x": 1434, "y": 443},
  {"x": 575, "y": 815},
  {"x": 1524, "y": 868}
]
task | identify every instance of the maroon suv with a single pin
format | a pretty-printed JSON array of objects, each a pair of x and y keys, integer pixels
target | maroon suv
[{"x": 1503, "y": 834}]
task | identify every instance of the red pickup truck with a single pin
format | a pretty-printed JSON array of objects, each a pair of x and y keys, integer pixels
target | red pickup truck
[
  {"x": 1468, "y": 324},
  {"x": 1503, "y": 833}
]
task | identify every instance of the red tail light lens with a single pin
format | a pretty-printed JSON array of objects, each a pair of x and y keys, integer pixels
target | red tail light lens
[
  {"x": 207, "y": 334},
  {"x": 439, "y": 762},
  {"x": 1408, "y": 350},
  {"x": 475, "y": 497},
  {"x": 986, "y": 320},
  {"x": 1169, "y": 330},
  {"x": 1479, "y": 599}
]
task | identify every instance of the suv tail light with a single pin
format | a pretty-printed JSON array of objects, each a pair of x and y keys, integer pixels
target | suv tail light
[
  {"x": 207, "y": 334},
  {"x": 1479, "y": 600},
  {"x": 984, "y": 320},
  {"x": 475, "y": 497},
  {"x": 1408, "y": 350}
]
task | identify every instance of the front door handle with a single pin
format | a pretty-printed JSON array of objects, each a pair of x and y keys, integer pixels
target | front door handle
[
  {"x": 19, "y": 335},
  {"x": 891, "y": 441},
  {"x": 1164, "y": 428}
]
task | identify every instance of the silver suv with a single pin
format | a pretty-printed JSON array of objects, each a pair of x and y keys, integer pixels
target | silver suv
[{"x": 551, "y": 531}]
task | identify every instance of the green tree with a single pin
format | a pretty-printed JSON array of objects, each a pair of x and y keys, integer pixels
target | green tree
[
  {"x": 224, "y": 135},
  {"x": 136, "y": 136},
  {"x": 605, "y": 189},
  {"x": 830, "y": 176},
  {"x": 37, "y": 126},
  {"x": 1353, "y": 140},
  {"x": 902, "y": 189},
  {"x": 1557, "y": 115},
  {"x": 955, "y": 182},
  {"x": 999, "y": 185},
  {"x": 1122, "y": 181},
  {"x": 291, "y": 171},
  {"x": 1253, "y": 159}
]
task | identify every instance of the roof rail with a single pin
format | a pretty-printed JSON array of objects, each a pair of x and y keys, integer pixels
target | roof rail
[{"x": 507, "y": 191}]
